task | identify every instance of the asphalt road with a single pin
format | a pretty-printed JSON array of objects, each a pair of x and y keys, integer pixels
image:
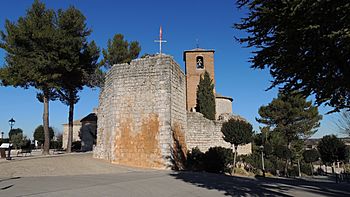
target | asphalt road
[
  {"x": 164, "y": 184},
  {"x": 90, "y": 177}
]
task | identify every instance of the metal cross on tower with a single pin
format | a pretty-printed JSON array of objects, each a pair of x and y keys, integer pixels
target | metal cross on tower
[{"x": 160, "y": 40}]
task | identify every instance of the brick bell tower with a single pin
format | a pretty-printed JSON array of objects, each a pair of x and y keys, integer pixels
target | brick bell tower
[{"x": 197, "y": 61}]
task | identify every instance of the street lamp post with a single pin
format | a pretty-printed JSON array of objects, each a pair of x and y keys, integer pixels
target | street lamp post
[
  {"x": 262, "y": 159},
  {"x": 2, "y": 135},
  {"x": 11, "y": 123}
]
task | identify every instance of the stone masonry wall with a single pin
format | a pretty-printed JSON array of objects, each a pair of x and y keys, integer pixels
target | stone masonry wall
[
  {"x": 76, "y": 130},
  {"x": 222, "y": 105},
  {"x": 204, "y": 133},
  {"x": 141, "y": 105}
]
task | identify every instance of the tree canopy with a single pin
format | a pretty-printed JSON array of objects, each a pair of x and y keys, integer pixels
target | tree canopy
[
  {"x": 332, "y": 149},
  {"x": 311, "y": 155},
  {"x": 119, "y": 51},
  {"x": 15, "y": 131},
  {"x": 304, "y": 44},
  {"x": 237, "y": 132},
  {"x": 39, "y": 134},
  {"x": 206, "y": 97},
  {"x": 290, "y": 115}
]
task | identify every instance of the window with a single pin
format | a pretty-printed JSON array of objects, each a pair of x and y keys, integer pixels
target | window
[{"x": 199, "y": 62}]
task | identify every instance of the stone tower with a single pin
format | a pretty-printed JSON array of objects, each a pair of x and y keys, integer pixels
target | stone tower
[
  {"x": 142, "y": 113},
  {"x": 197, "y": 61}
]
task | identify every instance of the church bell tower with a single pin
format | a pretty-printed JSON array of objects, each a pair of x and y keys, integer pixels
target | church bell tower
[{"x": 197, "y": 61}]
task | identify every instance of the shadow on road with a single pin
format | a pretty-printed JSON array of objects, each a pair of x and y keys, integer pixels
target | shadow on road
[
  {"x": 241, "y": 186},
  {"x": 7, "y": 179}
]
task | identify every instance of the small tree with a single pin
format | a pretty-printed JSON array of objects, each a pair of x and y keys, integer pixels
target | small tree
[
  {"x": 237, "y": 132},
  {"x": 17, "y": 140},
  {"x": 206, "y": 97},
  {"x": 119, "y": 51},
  {"x": 15, "y": 131},
  {"x": 311, "y": 156},
  {"x": 39, "y": 134},
  {"x": 331, "y": 149}
]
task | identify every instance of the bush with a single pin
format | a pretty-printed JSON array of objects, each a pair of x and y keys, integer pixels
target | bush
[
  {"x": 76, "y": 146},
  {"x": 305, "y": 168},
  {"x": 55, "y": 145},
  {"x": 218, "y": 159},
  {"x": 195, "y": 160}
]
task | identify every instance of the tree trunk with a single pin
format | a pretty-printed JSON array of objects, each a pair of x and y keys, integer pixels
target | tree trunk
[
  {"x": 46, "y": 125},
  {"x": 70, "y": 126},
  {"x": 299, "y": 173},
  {"x": 234, "y": 159},
  {"x": 287, "y": 160},
  {"x": 312, "y": 169}
]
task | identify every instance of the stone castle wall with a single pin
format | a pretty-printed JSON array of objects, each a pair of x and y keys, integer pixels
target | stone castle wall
[
  {"x": 142, "y": 117},
  {"x": 141, "y": 106},
  {"x": 204, "y": 133}
]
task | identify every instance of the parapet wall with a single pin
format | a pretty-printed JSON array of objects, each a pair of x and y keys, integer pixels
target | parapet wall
[{"x": 141, "y": 105}]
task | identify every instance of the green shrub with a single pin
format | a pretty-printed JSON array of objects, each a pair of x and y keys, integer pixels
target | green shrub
[
  {"x": 305, "y": 168},
  {"x": 195, "y": 160},
  {"x": 218, "y": 159},
  {"x": 76, "y": 146},
  {"x": 55, "y": 145}
]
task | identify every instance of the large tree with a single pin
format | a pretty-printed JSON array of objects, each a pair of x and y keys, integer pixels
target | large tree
[
  {"x": 31, "y": 46},
  {"x": 119, "y": 51},
  {"x": 304, "y": 44},
  {"x": 237, "y": 132},
  {"x": 291, "y": 116},
  {"x": 78, "y": 59},
  {"x": 206, "y": 97}
]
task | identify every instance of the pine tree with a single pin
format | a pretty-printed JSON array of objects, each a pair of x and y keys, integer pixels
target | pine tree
[
  {"x": 206, "y": 97},
  {"x": 119, "y": 51},
  {"x": 304, "y": 44},
  {"x": 78, "y": 58},
  {"x": 31, "y": 59},
  {"x": 292, "y": 117}
]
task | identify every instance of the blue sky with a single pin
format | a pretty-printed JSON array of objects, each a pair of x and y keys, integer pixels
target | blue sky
[{"x": 183, "y": 22}]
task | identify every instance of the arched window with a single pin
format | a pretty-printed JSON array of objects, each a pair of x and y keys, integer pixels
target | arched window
[{"x": 199, "y": 62}]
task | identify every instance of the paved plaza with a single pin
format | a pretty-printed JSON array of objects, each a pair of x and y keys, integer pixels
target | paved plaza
[{"x": 81, "y": 175}]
